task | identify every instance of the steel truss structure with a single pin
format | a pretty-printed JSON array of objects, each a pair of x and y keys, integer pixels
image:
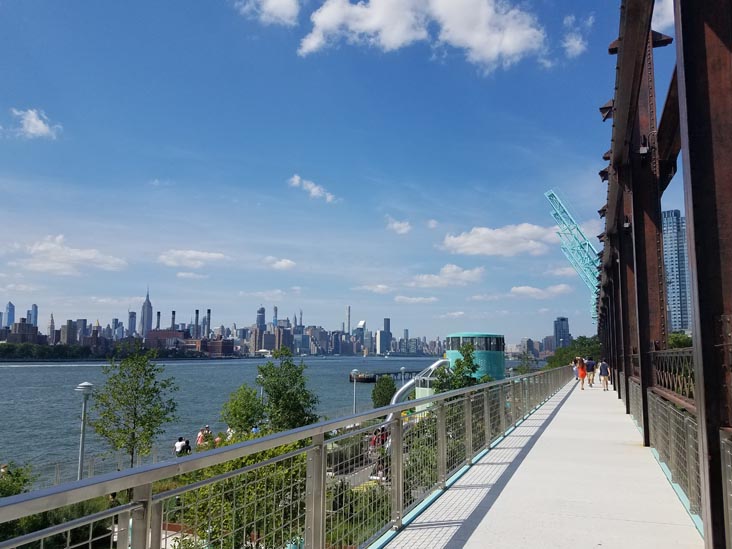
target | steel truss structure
[
  {"x": 696, "y": 123},
  {"x": 576, "y": 247}
]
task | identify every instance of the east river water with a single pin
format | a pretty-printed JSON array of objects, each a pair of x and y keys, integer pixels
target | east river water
[{"x": 40, "y": 412}]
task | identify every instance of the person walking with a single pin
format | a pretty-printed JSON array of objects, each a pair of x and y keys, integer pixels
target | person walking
[
  {"x": 581, "y": 371},
  {"x": 604, "y": 374},
  {"x": 590, "y": 365}
]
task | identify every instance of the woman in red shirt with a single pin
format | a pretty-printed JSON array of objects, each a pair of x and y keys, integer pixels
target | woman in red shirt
[{"x": 581, "y": 371}]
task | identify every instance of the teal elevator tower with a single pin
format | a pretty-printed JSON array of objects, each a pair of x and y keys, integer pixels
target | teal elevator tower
[{"x": 488, "y": 354}]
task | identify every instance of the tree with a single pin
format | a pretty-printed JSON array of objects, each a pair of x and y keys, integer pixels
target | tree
[
  {"x": 679, "y": 340},
  {"x": 582, "y": 346},
  {"x": 461, "y": 374},
  {"x": 134, "y": 404},
  {"x": 526, "y": 361},
  {"x": 383, "y": 391},
  {"x": 243, "y": 410},
  {"x": 289, "y": 403}
]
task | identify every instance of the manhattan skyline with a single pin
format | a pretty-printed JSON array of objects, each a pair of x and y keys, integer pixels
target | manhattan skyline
[{"x": 228, "y": 155}]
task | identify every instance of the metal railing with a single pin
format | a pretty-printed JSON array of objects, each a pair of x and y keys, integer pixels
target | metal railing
[
  {"x": 726, "y": 444},
  {"x": 673, "y": 370},
  {"x": 324, "y": 485},
  {"x": 674, "y": 436}
]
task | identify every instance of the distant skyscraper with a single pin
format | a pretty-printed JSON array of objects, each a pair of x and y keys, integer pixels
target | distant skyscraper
[
  {"x": 261, "y": 324},
  {"x": 34, "y": 315},
  {"x": 562, "y": 337},
  {"x": 146, "y": 315},
  {"x": 81, "y": 329},
  {"x": 274, "y": 317},
  {"x": 348, "y": 320},
  {"x": 676, "y": 262},
  {"x": 1, "y": 321},
  {"x": 9, "y": 314},
  {"x": 387, "y": 333},
  {"x": 131, "y": 322},
  {"x": 51, "y": 331}
]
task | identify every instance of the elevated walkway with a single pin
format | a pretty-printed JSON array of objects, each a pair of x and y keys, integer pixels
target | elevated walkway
[{"x": 574, "y": 474}]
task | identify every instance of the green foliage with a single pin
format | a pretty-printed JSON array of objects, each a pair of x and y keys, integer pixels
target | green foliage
[
  {"x": 134, "y": 404},
  {"x": 383, "y": 391},
  {"x": 243, "y": 410},
  {"x": 526, "y": 362},
  {"x": 15, "y": 479},
  {"x": 289, "y": 403},
  {"x": 679, "y": 340},
  {"x": 461, "y": 374},
  {"x": 582, "y": 346},
  {"x": 265, "y": 505},
  {"x": 370, "y": 502}
]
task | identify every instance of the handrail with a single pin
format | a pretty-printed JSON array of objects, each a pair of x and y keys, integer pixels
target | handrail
[{"x": 29, "y": 503}]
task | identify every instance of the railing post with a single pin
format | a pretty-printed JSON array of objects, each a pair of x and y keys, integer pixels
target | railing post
[
  {"x": 441, "y": 445},
  {"x": 468, "y": 411},
  {"x": 692, "y": 465},
  {"x": 315, "y": 495},
  {"x": 502, "y": 408},
  {"x": 397, "y": 472},
  {"x": 141, "y": 516},
  {"x": 156, "y": 524},
  {"x": 487, "y": 417},
  {"x": 123, "y": 530}
]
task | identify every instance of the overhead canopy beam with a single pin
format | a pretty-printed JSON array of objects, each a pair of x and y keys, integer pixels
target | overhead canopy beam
[{"x": 669, "y": 137}]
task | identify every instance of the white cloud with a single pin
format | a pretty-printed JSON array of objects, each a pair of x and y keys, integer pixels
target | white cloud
[
  {"x": 505, "y": 241},
  {"x": 266, "y": 295},
  {"x": 663, "y": 15},
  {"x": 279, "y": 264},
  {"x": 376, "y": 288},
  {"x": 541, "y": 293},
  {"x": 160, "y": 183},
  {"x": 487, "y": 297},
  {"x": 562, "y": 271},
  {"x": 449, "y": 275},
  {"x": 192, "y": 259},
  {"x": 414, "y": 300},
  {"x": 313, "y": 189},
  {"x": 270, "y": 12},
  {"x": 399, "y": 227},
  {"x": 118, "y": 301},
  {"x": 492, "y": 33},
  {"x": 543, "y": 311},
  {"x": 455, "y": 314},
  {"x": 23, "y": 288},
  {"x": 191, "y": 276},
  {"x": 52, "y": 255},
  {"x": 432, "y": 224},
  {"x": 35, "y": 124},
  {"x": 574, "y": 41}
]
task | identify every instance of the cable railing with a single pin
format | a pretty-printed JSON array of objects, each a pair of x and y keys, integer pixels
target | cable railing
[{"x": 338, "y": 483}]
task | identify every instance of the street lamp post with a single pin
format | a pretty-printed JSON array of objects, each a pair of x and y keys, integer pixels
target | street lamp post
[
  {"x": 402, "y": 372},
  {"x": 85, "y": 389},
  {"x": 354, "y": 373},
  {"x": 260, "y": 378}
]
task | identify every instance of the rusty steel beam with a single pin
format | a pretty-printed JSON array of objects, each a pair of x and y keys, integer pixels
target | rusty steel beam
[
  {"x": 627, "y": 308},
  {"x": 647, "y": 236},
  {"x": 704, "y": 65},
  {"x": 669, "y": 138},
  {"x": 635, "y": 25}
]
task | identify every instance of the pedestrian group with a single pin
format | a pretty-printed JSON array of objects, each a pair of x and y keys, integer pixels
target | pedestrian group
[{"x": 584, "y": 369}]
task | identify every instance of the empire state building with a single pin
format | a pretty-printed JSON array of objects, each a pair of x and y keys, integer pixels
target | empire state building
[{"x": 146, "y": 316}]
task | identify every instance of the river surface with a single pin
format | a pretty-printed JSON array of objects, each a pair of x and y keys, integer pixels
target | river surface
[{"x": 40, "y": 412}]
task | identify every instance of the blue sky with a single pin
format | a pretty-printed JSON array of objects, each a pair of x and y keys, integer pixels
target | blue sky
[{"x": 391, "y": 155}]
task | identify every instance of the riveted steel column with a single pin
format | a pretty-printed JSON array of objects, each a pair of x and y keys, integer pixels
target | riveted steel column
[
  {"x": 626, "y": 270},
  {"x": 704, "y": 65},
  {"x": 315, "y": 495},
  {"x": 648, "y": 236},
  {"x": 397, "y": 472}
]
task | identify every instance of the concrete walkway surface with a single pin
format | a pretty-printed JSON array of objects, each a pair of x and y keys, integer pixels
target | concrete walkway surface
[{"x": 573, "y": 475}]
